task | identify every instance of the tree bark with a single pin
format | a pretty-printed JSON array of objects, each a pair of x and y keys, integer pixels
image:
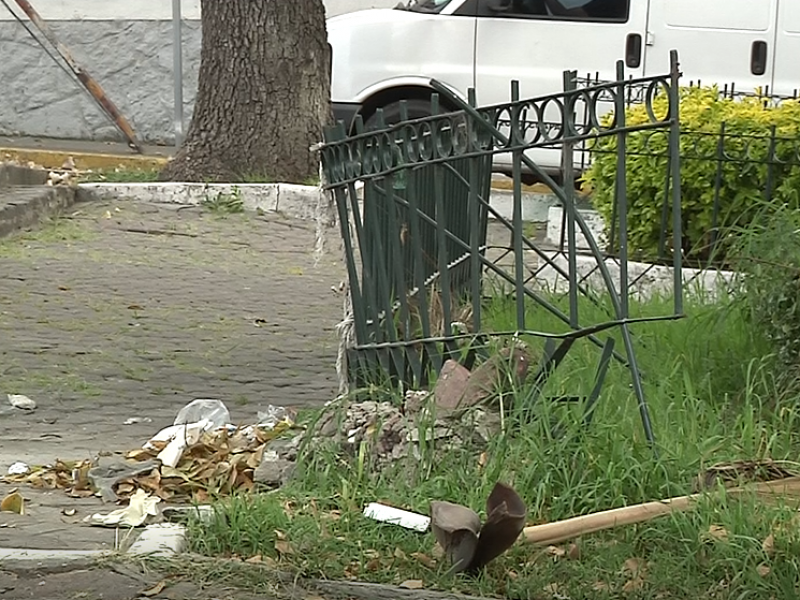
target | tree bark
[{"x": 263, "y": 93}]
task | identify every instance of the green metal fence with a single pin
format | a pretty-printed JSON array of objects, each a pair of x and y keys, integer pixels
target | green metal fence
[{"x": 416, "y": 238}]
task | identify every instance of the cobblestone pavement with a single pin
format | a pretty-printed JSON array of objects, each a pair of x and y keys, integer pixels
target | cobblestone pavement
[{"x": 124, "y": 310}]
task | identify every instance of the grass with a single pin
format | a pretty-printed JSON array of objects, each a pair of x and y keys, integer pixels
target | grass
[
  {"x": 221, "y": 203},
  {"x": 121, "y": 175},
  {"x": 714, "y": 393},
  {"x": 55, "y": 229},
  {"x": 145, "y": 175}
]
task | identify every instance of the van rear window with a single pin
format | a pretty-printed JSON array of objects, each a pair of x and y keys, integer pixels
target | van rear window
[{"x": 572, "y": 10}]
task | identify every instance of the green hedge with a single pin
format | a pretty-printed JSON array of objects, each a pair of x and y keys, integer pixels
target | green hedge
[{"x": 748, "y": 132}]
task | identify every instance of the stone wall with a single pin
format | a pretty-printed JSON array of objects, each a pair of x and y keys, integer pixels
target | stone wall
[
  {"x": 132, "y": 60},
  {"x": 126, "y": 47}
]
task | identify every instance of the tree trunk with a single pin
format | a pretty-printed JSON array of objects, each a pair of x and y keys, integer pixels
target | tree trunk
[{"x": 263, "y": 93}]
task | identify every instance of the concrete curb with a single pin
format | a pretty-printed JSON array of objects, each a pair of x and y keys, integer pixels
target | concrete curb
[
  {"x": 298, "y": 201},
  {"x": 158, "y": 540},
  {"x": 29, "y": 205}
]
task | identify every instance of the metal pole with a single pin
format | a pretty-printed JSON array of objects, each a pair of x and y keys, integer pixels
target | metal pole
[{"x": 177, "y": 70}]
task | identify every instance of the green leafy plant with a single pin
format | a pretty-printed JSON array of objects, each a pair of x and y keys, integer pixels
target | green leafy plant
[
  {"x": 768, "y": 254},
  {"x": 224, "y": 203},
  {"x": 734, "y": 153}
]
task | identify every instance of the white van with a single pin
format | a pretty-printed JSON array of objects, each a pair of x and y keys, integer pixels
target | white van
[{"x": 386, "y": 55}]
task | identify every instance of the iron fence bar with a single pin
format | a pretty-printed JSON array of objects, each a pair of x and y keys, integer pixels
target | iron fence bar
[
  {"x": 717, "y": 189},
  {"x": 473, "y": 203},
  {"x": 516, "y": 217},
  {"x": 770, "y": 165},
  {"x": 675, "y": 160},
  {"x": 552, "y": 357},
  {"x": 445, "y": 289},
  {"x": 368, "y": 284},
  {"x": 567, "y": 157},
  {"x": 600, "y": 376},
  {"x": 415, "y": 233},
  {"x": 583, "y": 332},
  {"x": 621, "y": 190},
  {"x": 340, "y": 197}
]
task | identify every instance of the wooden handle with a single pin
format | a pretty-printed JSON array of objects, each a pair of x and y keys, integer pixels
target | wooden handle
[{"x": 554, "y": 533}]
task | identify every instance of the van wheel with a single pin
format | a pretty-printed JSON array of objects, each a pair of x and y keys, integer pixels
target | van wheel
[{"x": 417, "y": 108}]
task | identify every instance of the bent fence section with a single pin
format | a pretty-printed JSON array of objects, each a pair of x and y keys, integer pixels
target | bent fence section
[{"x": 412, "y": 200}]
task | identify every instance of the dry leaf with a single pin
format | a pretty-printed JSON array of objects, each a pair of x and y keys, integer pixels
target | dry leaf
[
  {"x": 768, "y": 545},
  {"x": 716, "y": 532},
  {"x": 634, "y": 585},
  {"x": 424, "y": 559},
  {"x": 634, "y": 566},
  {"x": 284, "y": 547},
  {"x": 373, "y": 565},
  {"x": 254, "y": 559},
  {"x": 573, "y": 552},
  {"x": 763, "y": 570},
  {"x": 556, "y": 551},
  {"x": 482, "y": 460},
  {"x": 13, "y": 502},
  {"x": 400, "y": 554},
  {"x": 552, "y": 588},
  {"x": 512, "y": 575},
  {"x": 155, "y": 590},
  {"x": 412, "y": 584},
  {"x": 601, "y": 586}
]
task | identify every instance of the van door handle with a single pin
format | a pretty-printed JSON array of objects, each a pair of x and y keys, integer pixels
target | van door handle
[
  {"x": 633, "y": 51},
  {"x": 758, "y": 58}
]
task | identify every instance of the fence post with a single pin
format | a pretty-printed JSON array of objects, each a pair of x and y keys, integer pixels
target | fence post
[
  {"x": 675, "y": 162},
  {"x": 717, "y": 191}
]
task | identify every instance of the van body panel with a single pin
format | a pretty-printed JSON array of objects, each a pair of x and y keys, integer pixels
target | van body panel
[
  {"x": 537, "y": 51},
  {"x": 485, "y": 44},
  {"x": 786, "y": 80},
  {"x": 715, "y": 40},
  {"x": 374, "y": 46}
]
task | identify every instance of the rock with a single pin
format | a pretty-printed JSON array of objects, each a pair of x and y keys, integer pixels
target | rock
[
  {"x": 21, "y": 402},
  {"x": 286, "y": 447},
  {"x": 391, "y": 433},
  {"x": 457, "y": 388},
  {"x": 273, "y": 470},
  {"x": 415, "y": 400},
  {"x": 507, "y": 367},
  {"x": 451, "y": 385}
]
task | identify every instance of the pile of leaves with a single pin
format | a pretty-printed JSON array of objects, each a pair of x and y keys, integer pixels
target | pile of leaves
[{"x": 221, "y": 463}]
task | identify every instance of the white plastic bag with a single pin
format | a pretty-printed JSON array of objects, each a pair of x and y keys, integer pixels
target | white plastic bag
[{"x": 213, "y": 411}]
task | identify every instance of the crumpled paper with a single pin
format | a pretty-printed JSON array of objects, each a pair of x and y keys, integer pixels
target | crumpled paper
[
  {"x": 141, "y": 506},
  {"x": 178, "y": 438}
]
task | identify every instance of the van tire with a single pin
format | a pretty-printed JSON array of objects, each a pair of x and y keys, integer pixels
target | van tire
[{"x": 417, "y": 108}]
